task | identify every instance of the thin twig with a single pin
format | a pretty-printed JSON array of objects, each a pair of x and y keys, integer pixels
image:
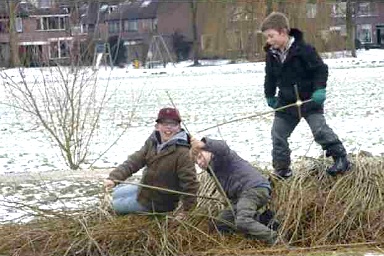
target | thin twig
[
  {"x": 166, "y": 190},
  {"x": 256, "y": 115}
]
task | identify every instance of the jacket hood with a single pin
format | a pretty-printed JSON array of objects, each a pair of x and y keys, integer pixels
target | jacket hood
[
  {"x": 297, "y": 34},
  {"x": 181, "y": 138}
]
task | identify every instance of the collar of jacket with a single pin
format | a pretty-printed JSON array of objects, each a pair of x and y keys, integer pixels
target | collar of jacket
[{"x": 182, "y": 138}]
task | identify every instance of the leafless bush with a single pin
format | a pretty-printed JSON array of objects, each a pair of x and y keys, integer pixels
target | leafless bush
[{"x": 66, "y": 101}]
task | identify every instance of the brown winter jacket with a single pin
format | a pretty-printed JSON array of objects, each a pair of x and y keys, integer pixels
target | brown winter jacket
[{"x": 169, "y": 168}]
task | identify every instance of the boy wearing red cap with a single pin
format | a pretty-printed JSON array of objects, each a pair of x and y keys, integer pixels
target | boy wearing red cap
[{"x": 165, "y": 157}]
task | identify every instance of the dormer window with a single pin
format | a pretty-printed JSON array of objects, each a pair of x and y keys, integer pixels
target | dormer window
[{"x": 51, "y": 22}]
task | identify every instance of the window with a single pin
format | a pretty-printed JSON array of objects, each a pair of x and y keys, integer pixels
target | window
[
  {"x": 311, "y": 10},
  {"x": 114, "y": 27},
  {"x": 51, "y": 23},
  {"x": 131, "y": 26},
  {"x": 364, "y": 33},
  {"x": 53, "y": 50},
  {"x": 206, "y": 42},
  {"x": 59, "y": 49},
  {"x": 4, "y": 26},
  {"x": 91, "y": 28},
  {"x": 339, "y": 9},
  {"x": 342, "y": 29},
  {"x": 44, "y": 3},
  {"x": 19, "y": 25},
  {"x": 365, "y": 9},
  {"x": 148, "y": 25}
]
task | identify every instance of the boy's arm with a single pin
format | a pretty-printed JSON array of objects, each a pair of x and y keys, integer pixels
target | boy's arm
[
  {"x": 317, "y": 67},
  {"x": 270, "y": 80},
  {"x": 188, "y": 183},
  {"x": 135, "y": 162}
]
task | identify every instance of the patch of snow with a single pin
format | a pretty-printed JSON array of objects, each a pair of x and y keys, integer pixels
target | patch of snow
[{"x": 206, "y": 96}]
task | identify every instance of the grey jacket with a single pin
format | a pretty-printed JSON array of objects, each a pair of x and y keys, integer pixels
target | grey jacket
[{"x": 234, "y": 173}]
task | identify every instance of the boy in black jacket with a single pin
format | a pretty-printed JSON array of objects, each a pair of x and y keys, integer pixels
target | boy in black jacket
[
  {"x": 295, "y": 68},
  {"x": 244, "y": 186}
]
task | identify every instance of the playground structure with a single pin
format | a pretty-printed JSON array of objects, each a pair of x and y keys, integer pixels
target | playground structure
[
  {"x": 158, "y": 53},
  {"x": 102, "y": 53}
]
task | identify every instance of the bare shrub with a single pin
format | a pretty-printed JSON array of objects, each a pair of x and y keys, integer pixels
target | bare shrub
[{"x": 66, "y": 101}]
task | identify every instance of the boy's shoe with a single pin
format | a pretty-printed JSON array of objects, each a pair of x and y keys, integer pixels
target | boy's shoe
[
  {"x": 340, "y": 166},
  {"x": 283, "y": 173}
]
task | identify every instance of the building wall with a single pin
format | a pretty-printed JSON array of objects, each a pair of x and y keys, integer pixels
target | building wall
[
  {"x": 365, "y": 23},
  {"x": 174, "y": 16}
]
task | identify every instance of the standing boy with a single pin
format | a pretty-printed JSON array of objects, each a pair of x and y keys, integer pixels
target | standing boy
[{"x": 295, "y": 68}]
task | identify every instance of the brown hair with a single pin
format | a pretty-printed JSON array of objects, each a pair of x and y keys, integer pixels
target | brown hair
[{"x": 275, "y": 20}]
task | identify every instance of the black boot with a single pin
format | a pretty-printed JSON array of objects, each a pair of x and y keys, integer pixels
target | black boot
[
  {"x": 283, "y": 173},
  {"x": 340, "y": 166}
]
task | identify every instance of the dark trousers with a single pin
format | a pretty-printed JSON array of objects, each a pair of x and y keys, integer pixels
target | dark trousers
[
  {"x": 246, "y": 208},
  {"x": 283, "y": 127}
]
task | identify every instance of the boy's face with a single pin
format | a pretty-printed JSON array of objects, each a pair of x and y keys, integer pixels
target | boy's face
[
  {"x": 167, "y": 129},
  {"x": 203, "y": 158},
  {"x": 277, "y": 39}
]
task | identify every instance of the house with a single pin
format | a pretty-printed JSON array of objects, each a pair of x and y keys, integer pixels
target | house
[
  {"x": 140, "y": 25},
  {"x": 41, "y": 34},
  {"x": 368, "y": 18}
]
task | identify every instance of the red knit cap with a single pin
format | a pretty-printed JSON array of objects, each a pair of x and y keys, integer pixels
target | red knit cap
[{"x": 168, "y": 113}]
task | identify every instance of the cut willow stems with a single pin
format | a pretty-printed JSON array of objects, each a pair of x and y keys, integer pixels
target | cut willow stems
[
  {"x": 209, "y": 168},
  {"x": 165, "y": 190},
  {"x": 298, "y": 103}
]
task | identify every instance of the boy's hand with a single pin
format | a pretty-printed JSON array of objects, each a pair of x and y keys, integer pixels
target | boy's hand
[
  {"x": 272, "y": 102},
  {"x": 109, "y": 184},
  {"x": 197, "y": 144},
  {"x": 319, "y": 96}
]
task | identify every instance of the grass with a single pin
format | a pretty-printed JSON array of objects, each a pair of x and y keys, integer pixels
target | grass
[{"x": 319, "y": 215}]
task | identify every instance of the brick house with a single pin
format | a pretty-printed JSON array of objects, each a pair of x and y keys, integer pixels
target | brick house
[
  {"x": 368, "y": 18},
  {"x": 42, "y": 34},
  {"x": 138, "y": 23}
]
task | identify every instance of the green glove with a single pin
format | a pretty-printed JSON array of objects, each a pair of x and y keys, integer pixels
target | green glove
[
  {"x": 319, "y": 96},
  {"x": 272, "y": 102}
]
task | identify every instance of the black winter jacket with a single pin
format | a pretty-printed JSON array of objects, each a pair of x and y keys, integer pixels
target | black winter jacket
[
  {"x": 234, "y": 173},
  {"x": 304, "y": 67}
]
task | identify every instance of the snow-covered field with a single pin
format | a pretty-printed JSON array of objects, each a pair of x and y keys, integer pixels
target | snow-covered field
[{"x": 206, "y": 96}]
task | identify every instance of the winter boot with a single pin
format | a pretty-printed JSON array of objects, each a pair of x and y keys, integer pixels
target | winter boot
[
  {"x": 340, "y": 166},
  {"x": 282, "y": 173}
]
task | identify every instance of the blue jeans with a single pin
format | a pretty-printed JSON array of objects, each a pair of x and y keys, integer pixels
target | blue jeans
[{"x": 125, "y": 199}]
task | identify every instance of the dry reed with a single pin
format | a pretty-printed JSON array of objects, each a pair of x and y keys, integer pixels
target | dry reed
[{"x": 316, "y": 211}]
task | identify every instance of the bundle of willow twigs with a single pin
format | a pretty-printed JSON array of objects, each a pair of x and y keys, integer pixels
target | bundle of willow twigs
[{"x": 315, "y": 211}]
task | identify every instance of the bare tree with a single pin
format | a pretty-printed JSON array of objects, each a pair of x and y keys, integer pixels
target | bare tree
[
  {"x": 13, "y": 40},
  {"x": 67, "y": 105},
  {"x": 350, "y": 24},
  {"x": 195, "y": 44},
  {"x": 269, "y": 9}
]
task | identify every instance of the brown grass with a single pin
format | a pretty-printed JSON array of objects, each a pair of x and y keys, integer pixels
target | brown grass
[{"x": 317, "y": 213}]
